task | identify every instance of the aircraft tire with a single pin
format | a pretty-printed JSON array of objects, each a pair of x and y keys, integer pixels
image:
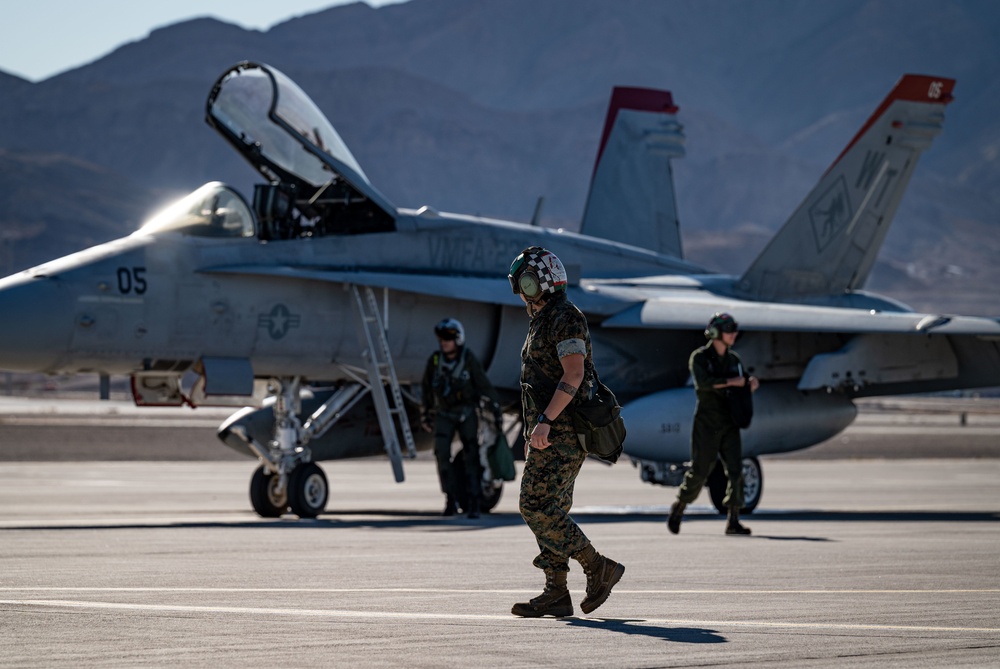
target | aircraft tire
[
  {"x": 262, "y": 496},
  {"x": 753, "y": 485},
  {"x": 490, "y": 497},
  {"x": 308, "y": 490}
]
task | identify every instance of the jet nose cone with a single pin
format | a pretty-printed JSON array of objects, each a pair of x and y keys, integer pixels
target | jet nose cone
[{"x": 35, "y": 323}]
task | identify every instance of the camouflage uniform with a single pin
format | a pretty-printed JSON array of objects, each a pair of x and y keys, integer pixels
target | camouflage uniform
[
  {"x": 714, "y": 433},
  {"x": 451, "y": 390},
  {"x": 559, "y": 329}
]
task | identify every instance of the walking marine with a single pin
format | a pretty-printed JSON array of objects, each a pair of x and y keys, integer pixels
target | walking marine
[
  {"x": 557, "y": 368},
  {"x": 717, "y": 371}
]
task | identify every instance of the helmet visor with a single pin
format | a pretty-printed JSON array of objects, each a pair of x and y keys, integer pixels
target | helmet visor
[{"x": 513, "y": 283}]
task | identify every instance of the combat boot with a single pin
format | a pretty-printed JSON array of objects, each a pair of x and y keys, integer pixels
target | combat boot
[
  {"x": 733, "y": 527},
  {"x": 450, "y": 507},
  {"x": 674, "y": 521},
  {"x": 473, "y": 511},
  {"x": 602, "y": 575},
  {"x": 554, "y": 600}
]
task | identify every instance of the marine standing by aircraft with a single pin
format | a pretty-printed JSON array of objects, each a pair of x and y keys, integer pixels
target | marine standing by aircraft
[{"x": 318, "y": 283}]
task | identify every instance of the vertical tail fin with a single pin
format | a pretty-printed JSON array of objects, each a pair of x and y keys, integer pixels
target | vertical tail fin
[
  {"x": 829, "y": 244},
  {"x": 631, "y": 197}
]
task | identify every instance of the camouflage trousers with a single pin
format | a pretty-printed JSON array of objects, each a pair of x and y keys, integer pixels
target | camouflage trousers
[
  {"x": 546, "y": 497},
  {"x": 710, "y": 443}
]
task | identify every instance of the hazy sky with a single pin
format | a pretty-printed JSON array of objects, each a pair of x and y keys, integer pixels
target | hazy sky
[{"x": 40, "y": 38}]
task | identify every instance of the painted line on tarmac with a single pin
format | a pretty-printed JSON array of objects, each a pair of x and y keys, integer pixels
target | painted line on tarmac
[
  {"x": 402, "y": 615},
  {"x": 700, "y": 591}
]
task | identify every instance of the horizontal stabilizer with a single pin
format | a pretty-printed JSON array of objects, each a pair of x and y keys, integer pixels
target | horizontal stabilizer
[
  {"x": 830, "y": 243},
  {"x": 631, "y": 198},
  {"x": 688, "y": 313}
]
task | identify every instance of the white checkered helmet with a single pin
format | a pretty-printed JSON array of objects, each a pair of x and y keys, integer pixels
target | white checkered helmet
[{"x": 535, "y": 272}]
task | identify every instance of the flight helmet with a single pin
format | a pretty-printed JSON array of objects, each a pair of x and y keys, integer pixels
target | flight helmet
[
  {"x": 536, "y": 271},
  {"x": 450, "y": 330},
  {"x": 721, "y": 322}
]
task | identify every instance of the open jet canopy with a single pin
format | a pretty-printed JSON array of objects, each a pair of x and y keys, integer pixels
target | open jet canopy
[{"x": 315, "y": 181}]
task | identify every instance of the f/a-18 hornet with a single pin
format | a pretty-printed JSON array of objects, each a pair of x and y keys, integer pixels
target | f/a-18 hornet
[{"x": 319, "y": 282}]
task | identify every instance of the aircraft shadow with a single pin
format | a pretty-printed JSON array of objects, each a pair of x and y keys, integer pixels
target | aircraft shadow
[
  {"x": 365, "y": 519},
  {"x": 629, "y": 626},
  {"x": 388, "y": 518}
]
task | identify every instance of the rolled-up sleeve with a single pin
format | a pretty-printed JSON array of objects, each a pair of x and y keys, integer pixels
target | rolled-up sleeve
[{"x": 571, "y": 347}]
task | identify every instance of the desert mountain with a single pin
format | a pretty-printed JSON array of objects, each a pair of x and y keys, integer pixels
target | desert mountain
[{"x": 482, "y": 107}]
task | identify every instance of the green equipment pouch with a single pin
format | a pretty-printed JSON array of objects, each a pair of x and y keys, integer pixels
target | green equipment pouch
[{"x": 501, "y": 459}]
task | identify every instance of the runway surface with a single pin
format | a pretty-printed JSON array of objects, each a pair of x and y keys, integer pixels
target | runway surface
[{"x": 881, "y": 561}]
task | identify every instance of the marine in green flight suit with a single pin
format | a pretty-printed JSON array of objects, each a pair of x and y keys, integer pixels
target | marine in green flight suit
[{"x": 715, "y": 368}]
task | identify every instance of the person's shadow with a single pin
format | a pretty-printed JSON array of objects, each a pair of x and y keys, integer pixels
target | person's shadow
[{"x": 629, "y": 626}]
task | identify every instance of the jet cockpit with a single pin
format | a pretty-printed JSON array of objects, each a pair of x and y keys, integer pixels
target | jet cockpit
[
  {"x": 214, "y": 210},
  {"x": 315, "y": 186}
]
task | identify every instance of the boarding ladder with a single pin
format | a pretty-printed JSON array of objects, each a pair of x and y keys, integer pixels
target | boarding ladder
[{"x": 381, "y": 372}]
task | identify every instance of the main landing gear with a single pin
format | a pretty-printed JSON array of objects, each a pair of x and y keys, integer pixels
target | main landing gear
[{"x": 753, "y": 485}]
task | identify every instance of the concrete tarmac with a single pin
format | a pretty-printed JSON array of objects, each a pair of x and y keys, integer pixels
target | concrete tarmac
[
  {"x": 888, "y": 563},
  {"x": 122, "y": 561}
]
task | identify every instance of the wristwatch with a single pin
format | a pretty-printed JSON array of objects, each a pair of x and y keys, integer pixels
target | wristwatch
[{"x": 543, "y": 419}]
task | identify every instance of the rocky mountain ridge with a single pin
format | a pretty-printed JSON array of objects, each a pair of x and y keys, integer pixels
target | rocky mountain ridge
[{"x": 484, "y": 107}]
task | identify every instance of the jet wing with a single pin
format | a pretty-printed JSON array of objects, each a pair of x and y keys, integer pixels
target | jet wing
[
  {"x": 685, "y": 312},
  {"x": 492, "y": 290},
  {"x": 478, "y": 289}
]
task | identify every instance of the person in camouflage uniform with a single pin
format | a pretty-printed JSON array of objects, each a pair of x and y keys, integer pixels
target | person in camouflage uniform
[
  {"x": 556, "y": 367},
  {"x": 715, "y": 367},
  {"x": 453, "y": 383}
]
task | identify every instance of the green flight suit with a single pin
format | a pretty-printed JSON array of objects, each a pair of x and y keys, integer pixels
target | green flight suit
[
  {"x": 714, "y": 434},
  {"x": 451, "y": 392}
]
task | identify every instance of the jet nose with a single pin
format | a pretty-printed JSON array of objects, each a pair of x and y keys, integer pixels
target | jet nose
[{"x": 36, "y": 323}]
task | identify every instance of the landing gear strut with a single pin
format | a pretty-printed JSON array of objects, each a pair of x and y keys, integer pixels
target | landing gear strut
[{"x": 288, "y": 479}]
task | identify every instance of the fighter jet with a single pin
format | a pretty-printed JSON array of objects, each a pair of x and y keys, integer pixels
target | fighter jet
[{"x": 311, "y": 303}]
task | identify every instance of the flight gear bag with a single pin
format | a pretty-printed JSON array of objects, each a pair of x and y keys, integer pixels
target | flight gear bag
[
  {"x": 741, "y": 405},
  {"x": 598, "y": 423},
  {"x": 501, "y": 459},
  {"x": 597, "y": 420},
  {"x": 739, "y": 398},
  {"x": 741, "y": 402}
]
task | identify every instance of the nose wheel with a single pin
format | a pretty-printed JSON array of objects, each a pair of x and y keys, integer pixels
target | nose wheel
[
  {"x": 308, "y": 490},
  {"x": 268, "y": 497},
  {"x": 304, "y": 493}
]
